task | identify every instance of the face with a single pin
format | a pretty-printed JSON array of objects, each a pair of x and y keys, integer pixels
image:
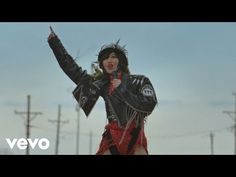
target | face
[{"x": 111, "y": 63}]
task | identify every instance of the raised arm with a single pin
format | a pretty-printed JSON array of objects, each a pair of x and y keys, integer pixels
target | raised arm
[{"x": 66, "y": 62}]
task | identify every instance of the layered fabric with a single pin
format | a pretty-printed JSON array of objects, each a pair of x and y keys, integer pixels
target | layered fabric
[{"x": 113, "y": 138}]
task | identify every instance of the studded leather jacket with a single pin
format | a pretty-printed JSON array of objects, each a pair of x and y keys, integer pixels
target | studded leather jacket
[{"x": 134, "y": 99}]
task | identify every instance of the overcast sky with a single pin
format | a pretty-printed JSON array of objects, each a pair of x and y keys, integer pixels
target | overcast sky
[{"x": 192, "y": 67}]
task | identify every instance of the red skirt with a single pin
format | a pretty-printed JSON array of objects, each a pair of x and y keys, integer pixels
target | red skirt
[{"x": 121, "y": 140}]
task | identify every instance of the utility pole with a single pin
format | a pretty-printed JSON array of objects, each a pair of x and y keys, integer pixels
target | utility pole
[
  {"x": 90, "y": 142},
  {"x": 58, "y": 121},
  {"x": 77, "y": 108},
  {"x": 232, "y": 114},
  {"x": 28, "y": 119},
  {"x": 212, "y": 143},
  {"x": 58, "y": 128}
]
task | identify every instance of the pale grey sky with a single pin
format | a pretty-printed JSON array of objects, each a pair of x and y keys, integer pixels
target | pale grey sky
[{"x": 191, "y": 65}]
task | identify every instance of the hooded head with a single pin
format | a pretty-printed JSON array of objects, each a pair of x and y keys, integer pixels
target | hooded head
[{"x": 119, "y": 51}]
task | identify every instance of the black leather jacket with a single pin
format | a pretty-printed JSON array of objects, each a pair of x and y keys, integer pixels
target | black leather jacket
[{"x": 133, "y": 99}]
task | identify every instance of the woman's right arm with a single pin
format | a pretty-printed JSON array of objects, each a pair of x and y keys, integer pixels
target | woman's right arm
[{"x": 66, "y": 62}]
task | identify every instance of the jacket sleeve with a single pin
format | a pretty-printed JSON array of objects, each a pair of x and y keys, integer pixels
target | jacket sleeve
[
  {"x": 143, "y": 100},
  {"x": 66, "y": 62}
]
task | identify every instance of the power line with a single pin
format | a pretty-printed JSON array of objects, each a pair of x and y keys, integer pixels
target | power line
[
  {"x": 78, "y": 124},
  {"x": 65, "y": 132},
  {"x": 58, "y": 121},
  {"x": 189, "y": 133},
  {"x": 232, "y": 115},
  {"x": 212, "y": 142},
  {"x": 90, "y": 142},
  {"x": 28, "y": 119}
]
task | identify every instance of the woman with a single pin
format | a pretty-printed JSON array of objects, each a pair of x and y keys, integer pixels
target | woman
[{"x": 129, "y": 99}]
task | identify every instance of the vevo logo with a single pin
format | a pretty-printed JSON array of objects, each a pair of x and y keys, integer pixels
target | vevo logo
[{"x": 23, "y": 143}]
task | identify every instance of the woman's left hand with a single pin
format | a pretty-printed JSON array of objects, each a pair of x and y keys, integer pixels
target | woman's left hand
[{"x": 116, "y": 82}]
